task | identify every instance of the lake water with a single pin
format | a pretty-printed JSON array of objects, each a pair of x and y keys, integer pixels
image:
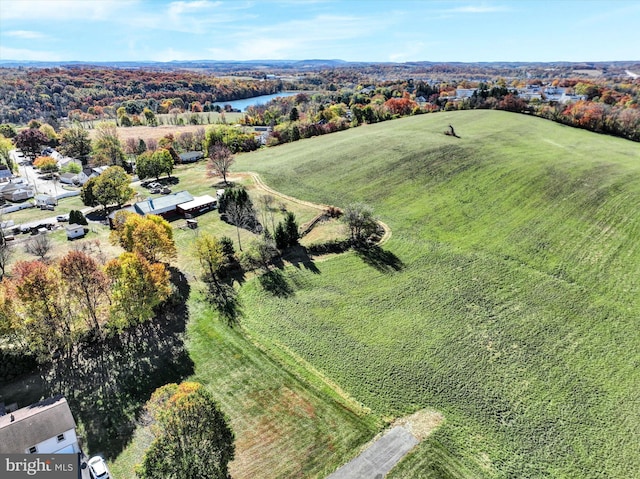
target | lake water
[{"x": 256, "y": 100}]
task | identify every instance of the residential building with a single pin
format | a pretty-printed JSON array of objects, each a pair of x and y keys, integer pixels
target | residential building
[{"x": 46, "y": 427}]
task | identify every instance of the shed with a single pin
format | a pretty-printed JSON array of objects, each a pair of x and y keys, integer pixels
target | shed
[
  {"x": 191, "y": 156},
  {"x": 74, "y": 231},
  {"x": 200, "y": 204}
]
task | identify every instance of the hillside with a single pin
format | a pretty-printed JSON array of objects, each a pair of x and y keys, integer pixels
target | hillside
[{"x": 507, "y": 297}]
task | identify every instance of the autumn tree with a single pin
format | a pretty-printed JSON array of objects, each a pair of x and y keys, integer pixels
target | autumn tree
[
  {"x": 111, "y": 187},
  {"x": 107, "y": 148},
  {"x": 7, "y": 131},
  {"x": 137, "y": 287},
  {"x": 39, "y": 245},
  {"x": 259, "y": 254},
  {"x": 46, "y": 164},
  {"x": 86, "y": 193},
  {"x": 50, "y": 133},
  {"x": 87, "y": 286},
  {"x": 211, "y": 255},
  {"x": 220, "y": 161},
  {"x": 360, "y": 221},
  {"x": 10, "y": 319},
  {"x": 150, "y": 235},
  {"x": 154, "y": 163},
  {"x": 47, "y": 326},
  {"x": 30, "y": 142},
  {"x": 150, "y": 117},
  {"x": 5, "y": 147},
  {"x": 192, "y": 438},
  {"x": 75, "y": 142}
]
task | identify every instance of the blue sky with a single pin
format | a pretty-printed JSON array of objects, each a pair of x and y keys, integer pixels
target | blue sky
[{"x": 352, "y": 30}]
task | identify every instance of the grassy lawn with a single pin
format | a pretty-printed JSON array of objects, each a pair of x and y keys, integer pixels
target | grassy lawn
[
  {"x": 507, "y": 298},
  {"x": 514, "y": 309},
  {"x": 287, "y": 423},
  {"x": 34, "y": 214}
]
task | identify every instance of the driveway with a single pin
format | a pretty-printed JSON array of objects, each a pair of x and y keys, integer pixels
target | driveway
[{"x": 378, "y": 459}]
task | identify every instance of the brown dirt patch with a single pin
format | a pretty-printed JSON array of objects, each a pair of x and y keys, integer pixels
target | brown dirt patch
[{"x": 421, "y": 423}]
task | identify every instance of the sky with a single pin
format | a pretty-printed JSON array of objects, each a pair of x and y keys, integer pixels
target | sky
[{"x": 350, "y": 30}]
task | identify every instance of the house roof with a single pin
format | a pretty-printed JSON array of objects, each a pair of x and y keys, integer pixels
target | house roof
[
  {"x": 198, "y": 202},
  {"x": 44, "y": 197},
  {"x": 34, "y": 424},
  {"x": 68, "y": 175},
  {"x": 73, "y": 227},
  {"x": 151, "y": 205},
  {"x": 191, "y": 156}
]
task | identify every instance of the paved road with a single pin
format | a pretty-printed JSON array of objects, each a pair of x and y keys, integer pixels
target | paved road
[{"x": 377, "y": 460}]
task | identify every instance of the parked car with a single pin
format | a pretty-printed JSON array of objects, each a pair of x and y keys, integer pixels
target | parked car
[
  {"x": 62, "y": 218},
  {"x": 165, "y": 190},
  {"x": 98, "y": 468}
]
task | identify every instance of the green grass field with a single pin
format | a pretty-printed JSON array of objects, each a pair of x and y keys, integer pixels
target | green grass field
[
  {"x": 506, "y": 298},
  {"x": 515, "y": 311}
]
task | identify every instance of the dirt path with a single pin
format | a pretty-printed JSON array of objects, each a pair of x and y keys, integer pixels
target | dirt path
[
  {"x": 260, "y": 184},
  {"x": 387, "y": 449}
]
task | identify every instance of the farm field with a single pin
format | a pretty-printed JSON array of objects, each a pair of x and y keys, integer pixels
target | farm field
[
  {"x": 169, "y": 125},
  {"x": 507, "y": 297}
]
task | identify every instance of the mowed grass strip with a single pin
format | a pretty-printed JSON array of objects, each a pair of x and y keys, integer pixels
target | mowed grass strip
[
  {"x": 286, "y": 424},
  {"x": 515, "y": 310}
]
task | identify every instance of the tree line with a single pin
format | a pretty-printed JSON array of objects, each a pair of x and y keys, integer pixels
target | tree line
[{"x": 54, "y": 93}]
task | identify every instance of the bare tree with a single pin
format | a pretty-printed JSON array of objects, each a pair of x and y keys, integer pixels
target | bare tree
[
  {"x": 39, "y": 245},
  {"x": 242, "y": 216},
  {"x": 266, "y": 202},
  {"x": 220, "y": 160},
  {"x": 6, "y": 251},
  {"x": 360, "y": 221}
]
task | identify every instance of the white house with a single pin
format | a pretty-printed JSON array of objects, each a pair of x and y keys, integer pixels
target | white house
[
  {"x": 74, "y": 231},
  {"x": 16, "y": 191},
  {"x": 46, "y": 427},
  {"x": 44, "y": 200}
]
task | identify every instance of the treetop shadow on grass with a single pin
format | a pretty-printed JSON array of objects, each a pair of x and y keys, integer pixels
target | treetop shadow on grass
[
  {"x": 380, "y": 259},
  {"x": 299, "y": 256},
  {"x": 224, "y": 298},
  {"x": 276, "y": 283}
]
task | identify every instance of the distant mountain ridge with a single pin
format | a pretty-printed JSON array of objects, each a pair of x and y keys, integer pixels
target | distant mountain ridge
[{"x": 298, "y": 64}]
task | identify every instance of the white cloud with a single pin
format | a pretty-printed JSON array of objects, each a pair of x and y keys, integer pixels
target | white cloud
[
  {"x": 324, "y": 36},
  {"x": 63, "y": 9},
  {"x": 24, "y": 34},
  {"x": 28, "y": 55},
  {"x": 476, "y": 9},
  {"x": 178, "y": 8}
]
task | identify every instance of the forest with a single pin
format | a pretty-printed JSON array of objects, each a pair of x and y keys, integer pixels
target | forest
[{"x": 332, "y": 98}]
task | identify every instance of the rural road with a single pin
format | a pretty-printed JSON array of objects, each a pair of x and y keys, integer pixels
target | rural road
[{"x": 377, "y": 460}]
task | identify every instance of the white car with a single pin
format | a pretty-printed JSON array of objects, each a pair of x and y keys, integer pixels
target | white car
[{"x": 98, "y": 468}]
